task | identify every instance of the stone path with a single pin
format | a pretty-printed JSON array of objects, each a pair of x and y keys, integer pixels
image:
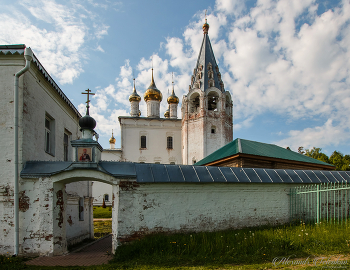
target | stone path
[{"x": 99, "y": 252}]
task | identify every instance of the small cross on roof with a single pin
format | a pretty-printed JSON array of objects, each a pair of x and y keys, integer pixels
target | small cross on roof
[{"x": 88, "y": 93}]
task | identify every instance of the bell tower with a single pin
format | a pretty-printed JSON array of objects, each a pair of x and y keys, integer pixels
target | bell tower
[{"x": 206, "y": 109}]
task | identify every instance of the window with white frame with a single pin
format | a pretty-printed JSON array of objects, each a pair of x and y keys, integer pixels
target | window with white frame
[
  {"x": 143, "y": 142},
  {"x": 66, "y": 139},
  {"x": 169, "y": 142}
]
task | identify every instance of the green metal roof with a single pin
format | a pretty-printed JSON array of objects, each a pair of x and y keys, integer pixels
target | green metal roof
[{"x": 241, "y": 146}]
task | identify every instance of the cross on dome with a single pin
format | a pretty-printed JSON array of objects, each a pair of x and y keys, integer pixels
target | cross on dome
[{"x": 88, "y": 93}]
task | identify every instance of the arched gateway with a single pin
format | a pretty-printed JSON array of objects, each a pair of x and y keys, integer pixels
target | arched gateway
[{"x": 49, "y": 179}]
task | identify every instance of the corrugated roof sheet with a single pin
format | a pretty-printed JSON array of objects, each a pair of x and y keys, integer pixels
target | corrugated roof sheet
[
  {"x": 258, "y": 149},
  {"x": 164, "y": 173}
]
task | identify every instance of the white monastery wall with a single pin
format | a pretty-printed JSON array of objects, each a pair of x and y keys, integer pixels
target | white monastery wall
[
  {"x": 156, "y": 132},
  {"x": 111, "y": 154},
  {"x": 36, "y": 99},
  {"x": 176, "y": 207},
  {"x": 8, "y": 67}
]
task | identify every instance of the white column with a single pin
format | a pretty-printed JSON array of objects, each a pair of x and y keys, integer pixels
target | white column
[
  {"x": 153, "y": 108},
  {"x": 115, "y": 207},
  {"x": 173, "y": 110},
  {"x": 134, "y": 112}
]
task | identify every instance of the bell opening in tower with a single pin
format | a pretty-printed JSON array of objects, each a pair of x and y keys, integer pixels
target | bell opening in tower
[
  {"x": 194, "y": 103},
  {"x": 213, "y": 98}
]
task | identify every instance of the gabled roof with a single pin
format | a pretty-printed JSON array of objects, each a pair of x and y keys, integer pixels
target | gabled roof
[
  {"x": 206, "y": 56},
  {"x": 18, "y": 49},
  {"x": 241, "y": 146}
]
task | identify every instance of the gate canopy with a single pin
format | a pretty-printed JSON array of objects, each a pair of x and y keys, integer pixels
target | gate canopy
[{"x": 164, "y": 173}]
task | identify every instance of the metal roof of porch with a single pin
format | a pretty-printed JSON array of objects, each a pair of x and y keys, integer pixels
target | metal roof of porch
[{"x": 165, "y": 173}]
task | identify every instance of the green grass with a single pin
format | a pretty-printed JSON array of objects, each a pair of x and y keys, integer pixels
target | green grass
[
  {"x": 253, "y": 248},
  {"x": 102, "y": 228},
  {"x": 100, "y": 212},
  {"x": 246, "y": 246}
]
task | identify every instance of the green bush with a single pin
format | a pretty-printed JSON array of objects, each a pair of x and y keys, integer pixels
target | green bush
[{"x": 100, "y": 212}]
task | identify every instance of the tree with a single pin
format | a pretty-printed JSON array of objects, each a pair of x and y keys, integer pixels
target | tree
[
  {"x": 341, "y": 162},
  {"x": 314, "y": 153}
]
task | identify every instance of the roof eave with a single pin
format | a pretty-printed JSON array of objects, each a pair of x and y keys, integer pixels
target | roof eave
[{"x": 242, "y": 155}]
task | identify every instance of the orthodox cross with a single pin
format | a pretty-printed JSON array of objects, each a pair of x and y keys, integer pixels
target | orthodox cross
[
  {"x": 205, "y": 16},
  {"x": 88, "y": 93}
]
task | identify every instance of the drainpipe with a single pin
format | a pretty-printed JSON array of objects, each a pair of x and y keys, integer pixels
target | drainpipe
[{"x": 28, "y": 55}]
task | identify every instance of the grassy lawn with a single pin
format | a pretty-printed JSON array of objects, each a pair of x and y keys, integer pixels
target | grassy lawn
[
  {"x": 255, "y": 248},
  {"x": 100, "y": 212},
  {"x": 102, "y": 228}
]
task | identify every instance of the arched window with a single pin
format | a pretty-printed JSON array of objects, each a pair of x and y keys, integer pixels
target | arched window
[
  {"x": 213, "y": 129},
  {"x": 169, "y": 142},
  {"x": 213, "y": 99},
  {"x": 143, "y": 142},
  {"x": 106, "y": 198},
  {"x": 194, "y": 103}
]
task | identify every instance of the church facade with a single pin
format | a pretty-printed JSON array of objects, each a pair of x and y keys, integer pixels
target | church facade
[{"x": 205, "y": 126}]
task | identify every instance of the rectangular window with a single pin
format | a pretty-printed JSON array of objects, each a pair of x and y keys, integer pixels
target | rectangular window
[
  {"x": 65, "y": 146},
  {"x": 49, "y": 135},
  {"x": 169, "y": 142},
  {"x": 143, "y": 142},
  {"x": 66, "y": 150}
]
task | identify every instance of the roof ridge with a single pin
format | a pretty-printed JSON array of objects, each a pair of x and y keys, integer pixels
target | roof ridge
[{"x": 239, "y": 145}]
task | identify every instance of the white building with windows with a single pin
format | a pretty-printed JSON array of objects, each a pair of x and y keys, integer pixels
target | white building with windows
[
  {"x": 206, "y": 123},
  {"x": 47, "y": 122}
]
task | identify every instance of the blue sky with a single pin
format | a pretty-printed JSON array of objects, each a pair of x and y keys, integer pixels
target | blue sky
[{"x": 286, "y": 63}]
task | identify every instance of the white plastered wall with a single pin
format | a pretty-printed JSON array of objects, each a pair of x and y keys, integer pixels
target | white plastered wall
[
  {"x": 176, "y": 207},
  {"x": 156, "y": 132}
]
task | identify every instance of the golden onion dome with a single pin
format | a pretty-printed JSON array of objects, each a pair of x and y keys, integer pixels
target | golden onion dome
[
  {"x": 112, "y": 139},
  {"x": 173, "y": 99},
  {"x": 167, "y": 113},
  {"x": 134, "y": 96},
  {"x": 152, "y": 93}
]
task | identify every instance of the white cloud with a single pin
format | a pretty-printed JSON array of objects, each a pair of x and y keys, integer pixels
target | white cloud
[
  {"x": 57, "y": 34},
  {"x": 328, "y": 134},
  {"x": 99, "y": 48}
]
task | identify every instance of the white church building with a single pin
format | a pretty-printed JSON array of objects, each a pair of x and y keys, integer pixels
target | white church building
[{"x": 206, "y": 123}]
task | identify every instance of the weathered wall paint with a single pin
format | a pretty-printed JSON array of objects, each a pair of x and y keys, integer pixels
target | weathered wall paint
[{"x": 168, "y": 207}]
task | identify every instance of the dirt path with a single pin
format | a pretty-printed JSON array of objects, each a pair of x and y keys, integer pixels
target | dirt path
[{"x": 96, "y": 253}]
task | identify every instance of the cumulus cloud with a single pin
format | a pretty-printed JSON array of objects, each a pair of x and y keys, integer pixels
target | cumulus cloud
[{"x": 57, "y": 33}]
